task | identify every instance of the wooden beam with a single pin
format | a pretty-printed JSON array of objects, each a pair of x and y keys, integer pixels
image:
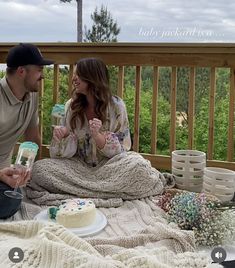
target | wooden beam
[
  {"x": 126, "y": 54},
  {"x": 164, "y": 162}
]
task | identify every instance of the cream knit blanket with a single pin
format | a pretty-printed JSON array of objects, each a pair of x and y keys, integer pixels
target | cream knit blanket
[
  {"x": 127, "y": 176},
  {"x": 137, "y": 236}
]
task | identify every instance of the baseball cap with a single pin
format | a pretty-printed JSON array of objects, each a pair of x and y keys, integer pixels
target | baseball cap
[{"x": 25, "y": 54}]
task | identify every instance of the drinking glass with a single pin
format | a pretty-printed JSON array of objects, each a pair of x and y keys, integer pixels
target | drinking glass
[
  {"x": 25, "y": 159},
  {"x": 57, "y": 119},
  {"x": 57, "y": 115}
]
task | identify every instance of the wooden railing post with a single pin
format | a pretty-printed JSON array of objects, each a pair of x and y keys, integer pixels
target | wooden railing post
[
  {"x": 137, "y": 109},
  {"x": 173, "y": 109},
  {"x": 191, "y": 108},
  {"x": 159, "y": 55},
  {"x": 41, "y": 94},
  {"x": 120, "y": 88},
  {"x": 154, "y": 110},
  {"x": 71, "y": 71},
  {"x": 211, "y": 115},
  {"x": 56, "y": 84},
  {"x": 230, "y": 150}
]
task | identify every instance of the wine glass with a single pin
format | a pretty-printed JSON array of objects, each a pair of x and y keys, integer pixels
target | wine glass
[
  {"x": 15, "y": 194},
  {"x": 25, "y": 159}
]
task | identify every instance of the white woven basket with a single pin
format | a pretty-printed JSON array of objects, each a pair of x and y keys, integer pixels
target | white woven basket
[
  {"x": 187, "y": 167},
  {"x": 220, "y": 182}
]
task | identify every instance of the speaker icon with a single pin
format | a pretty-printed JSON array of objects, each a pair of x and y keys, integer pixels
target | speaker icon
[{"x": 218, "y": 254}]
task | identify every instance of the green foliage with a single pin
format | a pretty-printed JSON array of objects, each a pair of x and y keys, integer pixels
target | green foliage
[
  {"x": 202, "y": 84},
  {"x": 182, "y": 89},
  {"x": 165, "y": 82},
  {"x": 47, "y": 99},
  {"x": 222, "y": 85},
  {"x": 104, "y": 29},
  {"x": 220, "y": 128},
  {"x": 47, "y": 102},
  {"x": 163, "y": 130},
  {"x": 221, "y": 117},
  {"x": 146, "y": 119},
  {"x": 2, "y": 73},
  {"x": 113, "y": 79}
]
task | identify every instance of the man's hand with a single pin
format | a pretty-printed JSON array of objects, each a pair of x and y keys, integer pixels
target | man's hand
[{"x": 15, "y": 175}]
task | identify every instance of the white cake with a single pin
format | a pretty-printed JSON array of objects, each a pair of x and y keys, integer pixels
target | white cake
[{"x": 74, "y": 213}]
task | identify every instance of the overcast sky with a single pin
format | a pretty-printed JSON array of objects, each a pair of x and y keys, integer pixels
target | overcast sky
[{"x": 140, "y": 21}]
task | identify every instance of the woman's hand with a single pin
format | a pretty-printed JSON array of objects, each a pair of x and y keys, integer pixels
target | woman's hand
[
  {"x": 95, "y": 126},
  {"x": 16, "y": 175},
  {"x": 99, "y": 138},
  {"x": 60, "y": 132}
]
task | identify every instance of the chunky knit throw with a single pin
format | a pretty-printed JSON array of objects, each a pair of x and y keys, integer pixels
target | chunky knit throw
[
  {"x": 52, "y": 246},
  {"x": 127, "y": 176},
  {"x": 137, "y": 236}
]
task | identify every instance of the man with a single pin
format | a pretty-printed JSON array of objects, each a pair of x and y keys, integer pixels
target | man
[{"x": 18, "y": 114}]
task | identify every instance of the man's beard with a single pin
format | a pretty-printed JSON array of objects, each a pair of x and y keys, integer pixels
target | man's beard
[{"x": 32, "y": 87}]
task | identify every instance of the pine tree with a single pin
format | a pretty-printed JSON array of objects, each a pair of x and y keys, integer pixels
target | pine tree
[
  {"x": 79, "y": 18},
  {"x": 104, "y": 29}
]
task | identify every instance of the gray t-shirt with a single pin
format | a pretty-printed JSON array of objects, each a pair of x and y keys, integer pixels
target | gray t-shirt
[{"x": 15, "y": 117}]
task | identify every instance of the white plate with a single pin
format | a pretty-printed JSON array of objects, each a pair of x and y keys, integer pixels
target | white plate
[{"x": 99, "y": 223}]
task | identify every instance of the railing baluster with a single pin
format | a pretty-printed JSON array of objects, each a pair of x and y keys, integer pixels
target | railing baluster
[
  {"x": 137, "y": 109},
  {"x": 120, "y": 81},
  {"x": 154, "y": 110},
  {"x": 41, "y": 94},
  {"x": 211, "y": 115},
  {"x": 56, "y": 84},
  {"x": 191, "y": 108},
  {"x": 230, "y": 151},
  {"x": 71, "y": 70},
  {"x": 170, "y": 55},
  {"x": 173, "y": 108}
]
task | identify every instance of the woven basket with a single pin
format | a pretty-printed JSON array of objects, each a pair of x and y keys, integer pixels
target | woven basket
[
  {"x": 187, "y": 167},
  {"x": 219, "y": 182}
]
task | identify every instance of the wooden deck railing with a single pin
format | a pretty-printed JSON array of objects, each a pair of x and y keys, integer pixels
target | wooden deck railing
[{"x": 155, "y": 55}]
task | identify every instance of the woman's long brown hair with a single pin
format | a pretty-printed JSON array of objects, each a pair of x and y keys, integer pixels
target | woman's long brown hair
[{"x": 95, "y": 73}]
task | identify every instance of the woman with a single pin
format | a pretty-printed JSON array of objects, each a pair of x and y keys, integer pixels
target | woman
[
  {"x": 90, "y": 115},
  {"x": 89, "y": 153}
]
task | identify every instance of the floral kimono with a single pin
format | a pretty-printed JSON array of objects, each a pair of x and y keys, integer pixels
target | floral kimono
[{"x": 80, "y": 143}]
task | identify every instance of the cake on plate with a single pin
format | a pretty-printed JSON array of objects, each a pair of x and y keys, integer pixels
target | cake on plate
[{"x": 74, "y": 213}]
